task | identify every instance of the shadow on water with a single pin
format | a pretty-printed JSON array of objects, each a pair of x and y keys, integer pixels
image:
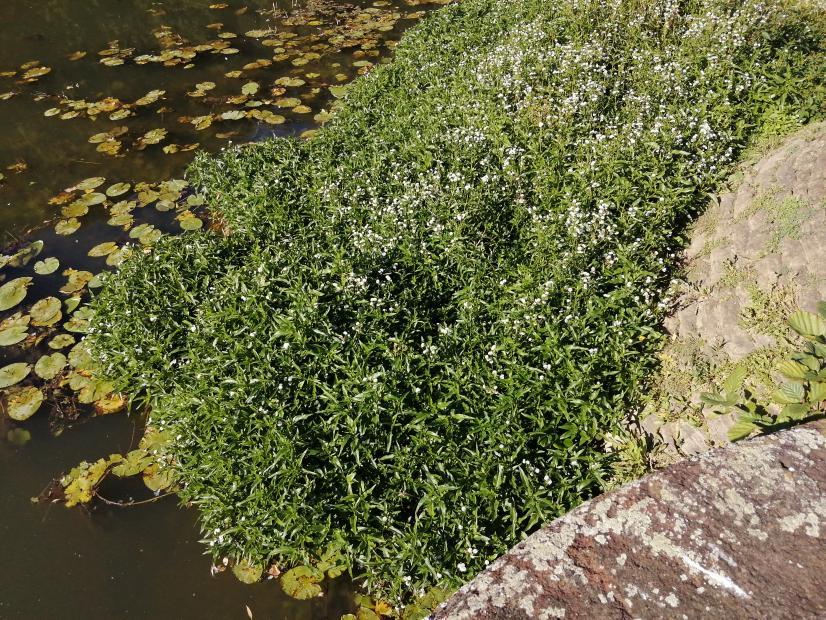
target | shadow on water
[{"x": 59, "y": 59}]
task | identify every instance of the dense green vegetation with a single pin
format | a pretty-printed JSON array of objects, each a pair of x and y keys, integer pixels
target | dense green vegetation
[{"x": 421, "y": 324}]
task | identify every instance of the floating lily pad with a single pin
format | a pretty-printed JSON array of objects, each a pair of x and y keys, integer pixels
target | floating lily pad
[
  {"x": 103, "y": 249},
  {"x": 76, "y": 280},
  {"x": 246, "y": 572},
  {"x": 93, "y": 391},
  {"x": 23, "y": 403},
  {"x": 14, "y": 373},
  {"x": 118, "y": 189},
  {"x": 67, "y": 227},
  {"x": 76, "y": 209},
  {"x": 61, "y": 341},
  {"x": 109, "y": 404},
  {"x": 49, "y": 366},
  {"x": 134, "y": 463},
  {"x": 13, "y": 292},
  {"x": 72, "y": 303},
  {"x": 302, "y": 582},
  {"x": 46, "y": 266},
  {"x": 46, "y": 311},
  {"x": 250, "y": 88},
  {"x": 13, "y": 335},
  {"x": 24, "y": 256},
  {"x": 79, "y": 357},
  {"x": 157, "y": 478},
  {"x": 90, "y": 183}
]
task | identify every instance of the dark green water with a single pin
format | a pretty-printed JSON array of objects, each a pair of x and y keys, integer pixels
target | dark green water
[{"x": 143, "y": 561}]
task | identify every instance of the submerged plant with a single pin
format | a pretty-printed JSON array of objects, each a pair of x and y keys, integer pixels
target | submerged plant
[{"x": 416, "y": 329}]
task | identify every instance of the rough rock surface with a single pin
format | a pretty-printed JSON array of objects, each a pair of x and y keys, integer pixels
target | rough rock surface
[
  {"x": 757, "y": 254},
  {"x": 734, "y": 533}
]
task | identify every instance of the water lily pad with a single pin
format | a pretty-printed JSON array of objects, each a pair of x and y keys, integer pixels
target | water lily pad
[
  {"x": 302, "y": 582},
  {"x": 233, "y": 115},
  {"x": 246, "y": 572},
  {"x": 71, "y": 303},
  {"x": 103, "y": 249},
  {"x": 23, "y": 403},
  {"x": 109, "y": 404},
  {"x": 13, "y": 335},
  {"x": 76, "y": 209},
  {"x": 290, "y": 81},
  {"x": 67, "y": 227},
  {"x": 250, "y": 88},
  {"x": 24, "y": 256},
  {"x": 157, "y": 478},
  {"x": 90, "y": 183},
  {"x": 93, "y": 391},
  {"x": 49, "y": 366},
  {"x": 118, "y": 189},
  {"x": 46, "y": 266},
  {"x": 134, "y": 463},
  {"x": 121, "y": 219},
  {"x": 79, "y": 357},
  {"x": 61, "y": 341},
  {"x": 13, "y": 292},
  {"x": 46, "y": 311},
  {"x": 14, "y": 373},
  {"x": 117, "y": 257},
  {"x": 76, "y": 280}
]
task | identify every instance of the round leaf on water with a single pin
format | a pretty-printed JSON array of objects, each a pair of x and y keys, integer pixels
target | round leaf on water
[
  {"x": 67, "y": 227},
  {"x": 46, "y": 266},
  {"x": 46, "y": 311},
  {"x": 90, "y": 183},
  {"x": 117, "y": 257},
  {"x": 76, "y": 209},
  {"x": 24, "y": 403},
  {"x": 72, "y": 303},
  {"x": 49, "y": 366},
  {"x": 134, "y": 463},
  {"x": 103, "y": 249},
  {"x": 13, "y": 335},
  {"x": 191, "y": 223},
  {"x": 93, "y": 198},
  {"x": 246, "y": 572},
  {"x": 111, "y": 403},
  {"x": 302, "y": 582},
  {"x": 250, "y": 88},
  {"x": 158, "y": 479},
  {"x": 118, "y": 189},
  {"x": 13, "y": 292},
  {"x": 61, "y": 341},
  {"x": 365, "y": 613},
  {"x": 94, "y": 390},
  {"x": 23, "y": 256},
  {"x": 79, "y": 356},
  {"x": 233, "y": 115},
  {"x": 76, "y": 280},
  {"x": 14, "y": 373}
]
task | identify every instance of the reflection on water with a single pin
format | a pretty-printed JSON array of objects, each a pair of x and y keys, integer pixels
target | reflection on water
[{"x": 125, "y": 91}]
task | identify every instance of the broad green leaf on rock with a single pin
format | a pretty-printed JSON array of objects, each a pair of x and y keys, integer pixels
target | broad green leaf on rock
[
  {"x": 61, "y": 341},
  {"x": 46, "y": 311},
  {"x": 46, "y": 266},
  {"x": 23, "y": 403},
  {"x": 49, "y": 366},
  {"x": 13, "y": 335},
  {"x": 789, "y": 393},
  {"x": 808, "y": 324},
  {"x": 302, "y": 582},
  {"x": 744, "y": 427},
  {"x": 793, "y": 370},
  {"x": 817, "y": 392},
  {"x": 246, "y": 572},
  {"x": 13, "y": 292}
]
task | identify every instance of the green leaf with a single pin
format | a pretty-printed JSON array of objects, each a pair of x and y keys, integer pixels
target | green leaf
[
  {"x": 46, "y": 266},
  {"x": 13, "y": 292},
  {"x": 46, "y": 312},
  {"x": 24, "y": 256},
  {"x": 717, "y": 400},
  {"x": 134, "y": 463},
  {"x": 302, "y": 582},
  {"x": 49, "y": 366},
  {"x": 14, "y": 373},
  {"x": 793, "y": 370},
  {"x": 789, "y": 393},
  {"x": 18, "y": 436},
  {"x": 735, "y": 380},
  {"x": 808, "y": 324},
  {"x": 13, "y": 335},
  {"x": 365, "y": 613},
  {"x": 157, "y": 478},
  {"x": 821, "y": 308},
  {"x": 795, "y": 411},
  {"x": 246, "y": 572},
  {"x": 817, "y": 392},
  {"x": 23, "y": 403},
  {"x": 744, "y": 427}
]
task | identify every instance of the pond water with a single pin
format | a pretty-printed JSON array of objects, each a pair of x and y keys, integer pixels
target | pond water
[{"x": 102, "y": 103}]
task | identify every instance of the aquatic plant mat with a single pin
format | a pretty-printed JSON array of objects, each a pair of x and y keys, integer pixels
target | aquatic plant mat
[{"x": 417, "y": 330}]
